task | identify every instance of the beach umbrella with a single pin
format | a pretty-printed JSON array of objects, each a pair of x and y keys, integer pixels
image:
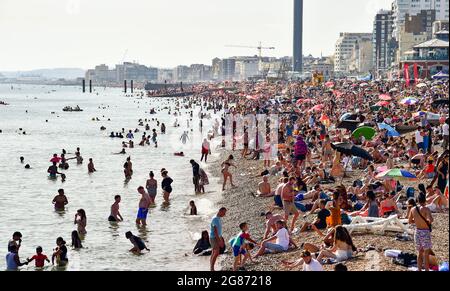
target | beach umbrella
[
  {"x": 440, "y": 75},
  {"x": 396, "y": 174},
  {"x": 421, "y": 85},
  {"x": 439, "y": 102},
  {"x": 348, "y": 116},
  {"x": 252, "y": 97},
  {"x": 382, "y": 103},
  {"x": 329, "y": 84},
  {"x": 385, "y": 97},
  {"x": 317, "y": 107},
  {"x": 393, "y": 90},
  {"x": 363, "y": 85},
  {"x": 348, "y": 124},
  {"x": 404, "y": 129},
  {"x": 300, "y": 101},
  {"x": 391, "y": 131},
  {"x": 337, "y": 93},
  {"x": 366, "y": 131},
  {"x": 376, "y": 108},
  {"x": 409, "y": 101},
  {"x": 352, "y": 150}
]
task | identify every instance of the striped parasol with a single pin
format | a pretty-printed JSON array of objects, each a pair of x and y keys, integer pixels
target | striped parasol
[{"x": 396, "y": 174}]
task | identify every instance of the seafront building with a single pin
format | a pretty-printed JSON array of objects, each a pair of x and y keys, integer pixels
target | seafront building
[
  {"x": 384, "y": 45},
  {"x": 402, "y": 8},
  {"x": 345, "y": 47}
]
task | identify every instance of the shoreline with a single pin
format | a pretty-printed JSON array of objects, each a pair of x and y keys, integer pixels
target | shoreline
[{"x": 243, "y": 206}]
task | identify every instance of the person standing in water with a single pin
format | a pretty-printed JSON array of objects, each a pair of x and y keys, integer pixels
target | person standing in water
[
  {"x": 12, "y": 259},
  {"x": 53, "y": 171},
  {"x": 115, "y": 215},
  {"x": 144, "y": 204},
  {"x": 91, "y": 167},
  {"x": 152, "y": 186},
  {"x": 60, "y": 253},
  {"x": 154, "y": 135},
  {"x": 81, "y": 221},
  {"x": 166, "y": 185},
  {"x": 128, "y": 168},
  {"x": 184, "y": 137},
  {"x": 195, "y": 175},
  {"x": 60, "y": 200},
  {"x": 205, "y": 150}
]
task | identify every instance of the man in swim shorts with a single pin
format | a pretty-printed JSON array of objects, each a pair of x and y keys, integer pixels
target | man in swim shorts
[
  {"x": 115, "y": 215},
  {"x": 421, "y": 217},
  {"x": 144, "y": 204}
]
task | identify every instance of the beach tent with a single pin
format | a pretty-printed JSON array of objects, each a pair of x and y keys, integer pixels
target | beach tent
[
  {"x": 352, "y": 150},
  {"x": 366, "y": 131},
  {"x": 390, "y": 130}
]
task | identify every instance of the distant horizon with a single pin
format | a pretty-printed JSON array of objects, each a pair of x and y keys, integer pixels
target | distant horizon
[
  {"x": 81, "y": 34},
  {"x": 112, "y": 66}
]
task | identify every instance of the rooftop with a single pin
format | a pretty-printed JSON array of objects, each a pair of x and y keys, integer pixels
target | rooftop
[{"x": 433, "y": 43}]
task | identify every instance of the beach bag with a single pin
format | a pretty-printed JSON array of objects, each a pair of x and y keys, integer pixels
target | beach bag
[
  {"x": 345, "y": 219},
  {"x": 392, "y": 253},
  {"x": 405, "y": 259}
]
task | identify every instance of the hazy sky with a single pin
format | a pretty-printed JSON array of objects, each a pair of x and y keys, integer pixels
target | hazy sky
[{"x": 165, "y": 33}]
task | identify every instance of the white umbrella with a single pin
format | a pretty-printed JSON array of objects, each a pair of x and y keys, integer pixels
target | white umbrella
[
  {"x": 393, "y": 90},
  {"x": 421, "y": 85}
]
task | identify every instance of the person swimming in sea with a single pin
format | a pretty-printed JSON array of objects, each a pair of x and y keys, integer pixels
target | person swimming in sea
[{"x": 122, "y": 152}]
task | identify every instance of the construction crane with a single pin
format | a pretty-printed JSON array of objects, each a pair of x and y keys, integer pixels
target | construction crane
[{"x": 260, "y": 48}]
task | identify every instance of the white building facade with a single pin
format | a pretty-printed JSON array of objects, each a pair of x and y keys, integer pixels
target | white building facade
[{"x": 412, "y": 7}]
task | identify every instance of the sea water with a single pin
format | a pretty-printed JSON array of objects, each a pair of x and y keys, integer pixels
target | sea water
[{"x": 26, "y": 195}]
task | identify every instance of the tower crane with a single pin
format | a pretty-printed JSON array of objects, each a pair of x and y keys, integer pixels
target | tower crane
[{"x": 260, "y": 48}]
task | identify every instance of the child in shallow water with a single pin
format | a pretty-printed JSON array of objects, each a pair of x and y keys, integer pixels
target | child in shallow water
[
  {"x": 39, "y": 258},
  {"x": 138, "y": 243}
]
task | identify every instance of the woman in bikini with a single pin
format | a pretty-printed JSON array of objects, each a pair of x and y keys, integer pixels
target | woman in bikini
[
  {"x": 226, "y": 173},
  {"x": 152, "y": 186}
]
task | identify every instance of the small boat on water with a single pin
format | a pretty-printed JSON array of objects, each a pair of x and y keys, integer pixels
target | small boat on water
[
  {"x": 72, "y": 109},
  {"x": 3, "y": 103}
]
